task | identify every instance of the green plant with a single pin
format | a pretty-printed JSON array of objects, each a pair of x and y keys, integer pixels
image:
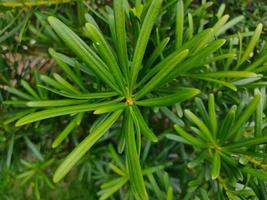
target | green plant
[{"x": 113, "y": 83}]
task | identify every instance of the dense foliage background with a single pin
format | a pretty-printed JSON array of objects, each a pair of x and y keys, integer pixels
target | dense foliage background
[{"x": 208, "y": 144}]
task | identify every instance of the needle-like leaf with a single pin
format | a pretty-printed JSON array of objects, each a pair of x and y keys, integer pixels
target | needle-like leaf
[{"x": 84, "y": 146}]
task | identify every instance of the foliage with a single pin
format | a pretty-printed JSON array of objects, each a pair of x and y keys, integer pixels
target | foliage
[{"x": 125, "y": 79}]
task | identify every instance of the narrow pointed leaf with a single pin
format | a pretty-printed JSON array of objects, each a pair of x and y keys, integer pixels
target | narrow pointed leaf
[
  {"x": 179, "y": 23},
  {"x": 162, "y": 74},
  {"x": 212, "y": 115},
  {"x": 216, "y": 165},
  {"x": 54, "y": 103},
  {"x": 143, "y": 38},
  {"x": 194, "y": 141},
  {"x": 84, "y": 146},
  {"x": 172, "y": 99}
]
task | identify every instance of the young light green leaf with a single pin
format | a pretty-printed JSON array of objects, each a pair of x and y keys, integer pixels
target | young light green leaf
[
  {"x": 229, "y": 25},
  {"x": 84, "y": 146},
  {"x": 220, "y": 23},
  {"x": 179, "y": 24},
  {"x": 216, "y": 166},
  {"x": 182, "y": 95},
  {"x": 143, "y": 38}
]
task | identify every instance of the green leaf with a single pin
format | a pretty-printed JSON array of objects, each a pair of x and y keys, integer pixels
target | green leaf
[
  {"x": 68, "y": 87},
  {"x": 171, "y": 61},
  {"x": 228, "y": 74},
  {"x": 105, "y": 51},
  {"x": 19, "y": 93},
  {"x": 246, "y": 143},
  {"x": 227, "y": 123},
  {"x": 182, "y": 95},
  {"x": 220, "y": 23},
  {"x": 30, "y": 90},
  {"x": 143, "y": 38},
  {"x": 83, "y": 51},
  {"x": 262, "y": 175},
  {"x": 54, "y": 112},
  {"x": 58, "y": 58},
  {"x": 212, "y": 115},
  {"x": 163, "y": 73},
  {"x": 110, "y": 108},
  {"x": 75, "y": 122},
  {"x": 97, "y": 95},
  {"x": 132, "y": 159},
  {"x": 84, "y": 146},
  {"x": 229, "y": 25},
  {"x": 121, "y": 36},
  {"x": 205, "y": 132},
  {"x": 54, "y": 103},
  {"x": 156, "y": 53},
  {"x": 251, "y": 44},
  {"x": 216, "y": 165},
  {"x": 143, "y": 125},
  {"x": 194, "y": 141},
  {"x": 244, "y": 117},
  {"x": 179, "y": 24}
]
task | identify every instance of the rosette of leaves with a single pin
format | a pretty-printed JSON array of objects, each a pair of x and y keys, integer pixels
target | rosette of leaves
[
  {"x": 114, "y": 77},
  {"x": 227, "y": 149}
]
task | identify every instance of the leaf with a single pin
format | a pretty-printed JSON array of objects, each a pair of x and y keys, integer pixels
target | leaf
[
  {"x": 143, "y": 38},
  {"x": 262, "y": 175},
  {"x": 132, "y": 160},
  {"x": 121, "y": 36},
  {"x": 179, "y": 24},
  {"x": 156, "y": 53},
  {"x": 84, "y": 146},
  {"x": 172, "y": 60},
  {"x": 228, "y": 74},
  {"x": 106, "y": 52},
  {"x": 110, "y": 108},
  {"x": 58, "y": 58},
  {"x": 182, "y": 95},
  {"x": 227, "y": 123},
  {"x": 143, "y": 126},
  {"x": 54, "y": 103},
  {"x": 229, "y": 25},
  {"x": 67, "y": 130},
  {"x": 19, "y": 93},
  {"x": 212, "y": 115},
  {"x": 216, "y": 166},
  {"x": 251, "y": 44},
  {"x": 54, "y": 112},
  {"x": 65, "y": 84},
  {"x": 163, "y": 73},
  {"x": 30, "y": 90},
  {"x": 83, "y": 51},
  {"x": 33, "y": 148},
  {"x": 219, "y": 24},
  {"x": 246, "y": 143},
  {"x": 97, "y": 95},
  {"x": 194, "y": 141},
  {"x": 205, "y": 132},
  {"x": 244, "y": 117}
]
